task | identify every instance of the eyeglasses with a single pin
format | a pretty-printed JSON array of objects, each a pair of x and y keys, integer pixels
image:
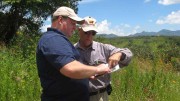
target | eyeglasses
[{"x": 93, "y": 33}]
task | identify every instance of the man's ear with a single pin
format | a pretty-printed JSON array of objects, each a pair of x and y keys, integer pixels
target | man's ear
[{"x": 60, "y": 20}]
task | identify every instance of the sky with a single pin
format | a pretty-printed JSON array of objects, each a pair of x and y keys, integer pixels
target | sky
[{"x": 127, "y": 17}]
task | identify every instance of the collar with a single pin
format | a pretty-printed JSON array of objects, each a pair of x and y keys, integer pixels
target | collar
[
  {"x": 92, "y": 46},
  {"x": 55, "y": 30}
]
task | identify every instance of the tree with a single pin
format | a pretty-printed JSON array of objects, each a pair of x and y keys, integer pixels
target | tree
[{"x": 27, "y": 15}]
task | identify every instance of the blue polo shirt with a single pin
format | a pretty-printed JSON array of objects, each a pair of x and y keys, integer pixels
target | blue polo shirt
[{"x": 54, "y": 51}]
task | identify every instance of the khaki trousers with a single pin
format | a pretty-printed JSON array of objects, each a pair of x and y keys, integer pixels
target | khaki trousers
[{"x": 99, "y": 97}]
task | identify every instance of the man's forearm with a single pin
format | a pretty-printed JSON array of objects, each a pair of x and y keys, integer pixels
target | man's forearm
[{"x": 78, "y": 70}]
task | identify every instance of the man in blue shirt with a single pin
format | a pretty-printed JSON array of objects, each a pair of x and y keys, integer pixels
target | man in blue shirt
[{"x": 62, "y": 76}]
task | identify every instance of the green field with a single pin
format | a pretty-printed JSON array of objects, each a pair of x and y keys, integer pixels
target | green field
[{"x": 153, "y": 74}]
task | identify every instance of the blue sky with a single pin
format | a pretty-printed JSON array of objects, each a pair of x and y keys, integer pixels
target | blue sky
[{"x": 126, "y": 17}]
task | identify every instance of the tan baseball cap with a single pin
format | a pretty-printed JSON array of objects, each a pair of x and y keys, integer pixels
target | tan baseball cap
[
  {"x": 66, "y": 11},
  {"x": 89, "y": 24}
]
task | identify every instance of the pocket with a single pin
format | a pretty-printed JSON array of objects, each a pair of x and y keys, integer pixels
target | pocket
[
  {"x": 100, "y": 61},
  {"x": 109, "y": 89}
]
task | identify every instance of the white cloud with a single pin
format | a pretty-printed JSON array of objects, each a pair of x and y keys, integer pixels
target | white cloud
[
  {"x": 168, "y": 2},
  {"x": 87, "y": 1},
  {"x": 125, "y": 25},
  {"x": 173, "y": 18},
  {"x": 135, "y": 29},
  {"x": 105, "y": 27},
  {"x": 146, "y": 1}
]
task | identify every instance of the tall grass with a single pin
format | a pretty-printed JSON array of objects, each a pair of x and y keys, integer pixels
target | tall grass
[
  {"x": 18, "y": 74},
  {"x": 148, "y": 84},
  {"x": 18, "y": 78},
  {"x": 153, "y": 74}
]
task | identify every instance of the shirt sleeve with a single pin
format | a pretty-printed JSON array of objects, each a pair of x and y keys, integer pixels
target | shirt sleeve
[
  {"x": 58, "y": 51},
  {"x": 127, "y": 59},
  {"x": 110, "y": 50}
]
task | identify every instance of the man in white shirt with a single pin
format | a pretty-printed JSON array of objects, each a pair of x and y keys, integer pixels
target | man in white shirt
[{"x": 94, "y": 53}]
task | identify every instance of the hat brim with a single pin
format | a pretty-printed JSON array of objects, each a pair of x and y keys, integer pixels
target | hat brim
[
  {"x": 89, "y": 28},
  {"x": 77, "y": 19}
]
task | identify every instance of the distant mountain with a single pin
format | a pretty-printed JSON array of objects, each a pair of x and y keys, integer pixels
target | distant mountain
[
  {"x": 107, "y": 35},
  {"x": 162, "y": 32}
]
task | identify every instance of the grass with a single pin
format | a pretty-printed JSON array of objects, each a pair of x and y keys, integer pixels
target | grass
[
  {"x": 19, "y": 79},
  {"x": 153, "y": 74},
  {"x": 150, "y": 84}
]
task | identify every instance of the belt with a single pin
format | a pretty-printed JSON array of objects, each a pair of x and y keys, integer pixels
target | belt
[{"x": 97, "y": 92}]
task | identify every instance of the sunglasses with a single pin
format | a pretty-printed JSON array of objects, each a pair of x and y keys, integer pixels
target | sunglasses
[{"x": 93, "y": 33}]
